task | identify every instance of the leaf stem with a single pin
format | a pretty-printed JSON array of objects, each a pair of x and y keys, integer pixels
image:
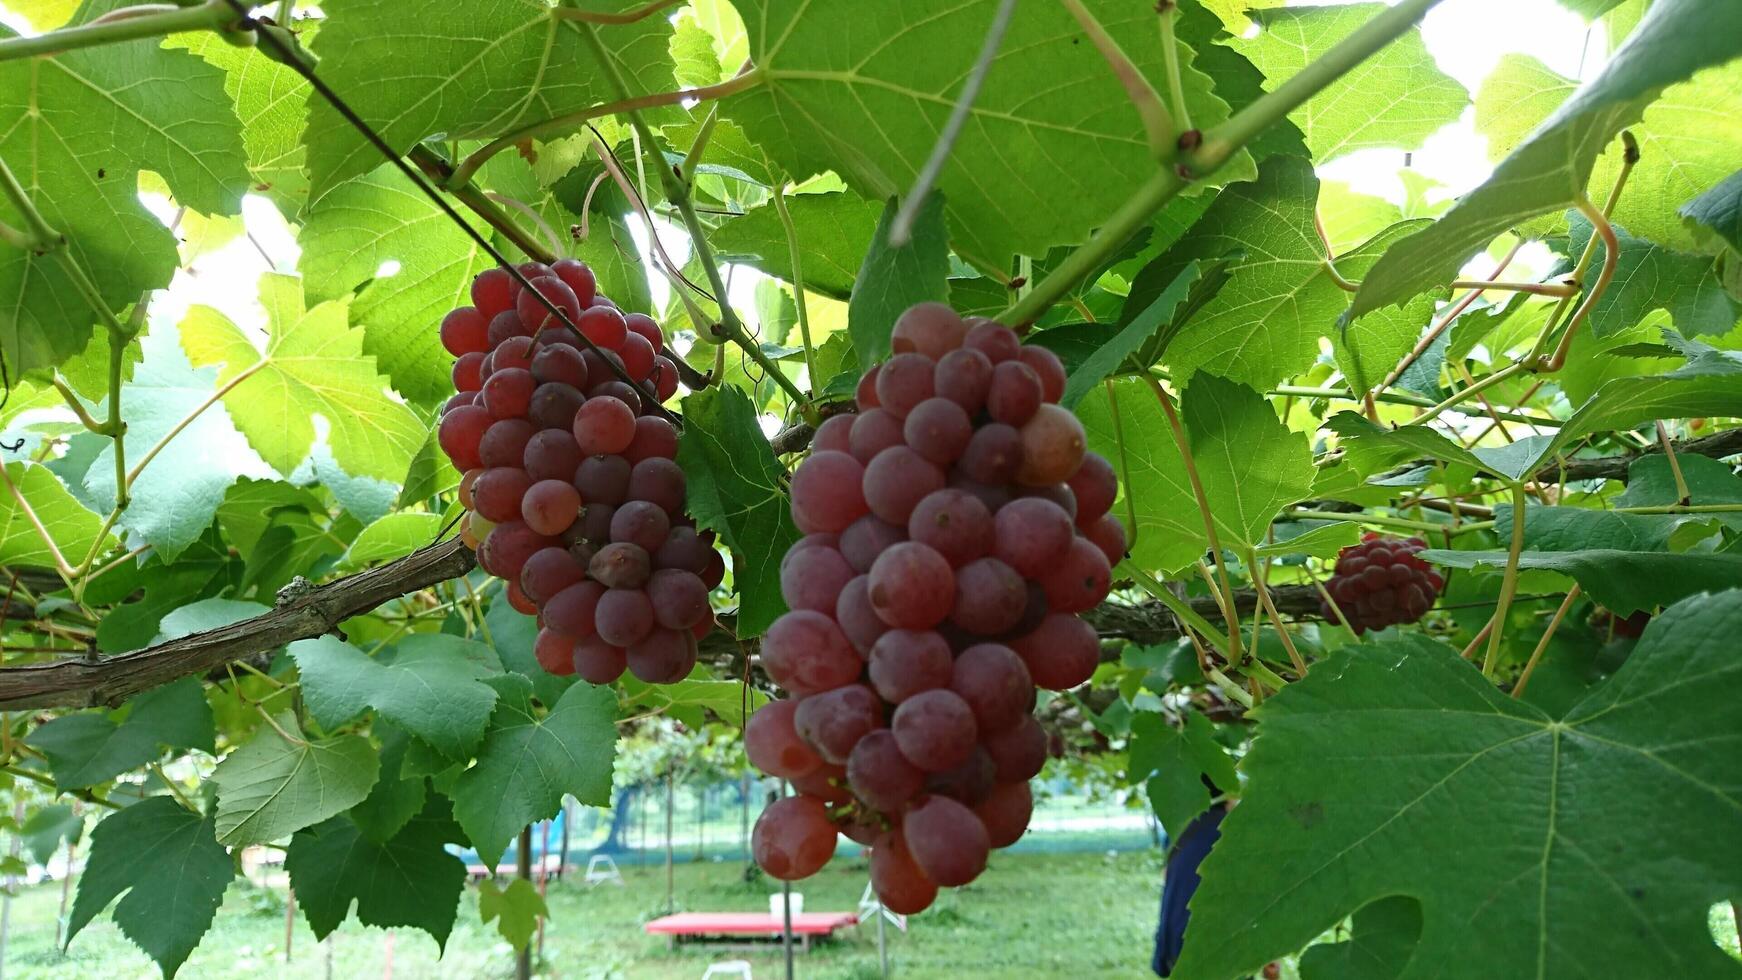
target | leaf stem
[
  {"x": 901, "y": 226},
  {"x": 1157, "y": 124},
  {"x": 621, "y": 17},
  {"x": 1601, "y": 228},
  {"x": 1468, "y": 392},
  {"x": 441, "y": 172},
  {"x": 693, "y": 159},
  {"x": 1533, "y": 288},
  {"x": 1362, "y": 517},
  {"x": 804, "y": 320},
  {"x": 1508, "y": 581},
  {"x": 1542, "y": 644},
  {"x": 1169, "y": 9},
  {"x": 174, "y": 790},
  {"x": 1179, "y": 607},
  {"x": 157, "y": 22},
  {"x": 1451, "y": 313},
  {"x": 1264, "y": 600},
  {"x": 1682, "y": 496},
  {"x": 78, "y": 407},
  {"x": 1337, "y": 278},
  {"x": 60, "y": 562},
  {"x": 188, "y": 420},
  {"x": 1336, "y": 609},
  {"x": 41, "y": 780}
]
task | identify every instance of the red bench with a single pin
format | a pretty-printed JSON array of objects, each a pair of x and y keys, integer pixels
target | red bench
[{"x": 748, "y": 925}]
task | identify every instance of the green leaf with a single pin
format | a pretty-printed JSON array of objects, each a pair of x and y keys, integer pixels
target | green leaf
[
  {"x": 1381, "y": 939},
  {"x": 172, "y": 870},
  {"x": 1172, "y": 763},
  {"x": 1600, "y": 836},
  {"x": 472, "y": 70},
  {"x": 72, "y": 527},
  {"x": 737, "y": 487},
  {"x": 1371, "y": 447},
  {"x": 1344, "y": 116},
  {"x": 892, "y": 279},
  {"x": 513, "y": 634},
  {"x": 1051, "y": 146},
  {"x": 409, "y": 880},
  {"x": 1550, "y": 170},
  {"x": 834, "y": 231},
  {"x": 357, "y": 227},
  {"x": 732, "y": 701},
  {"x": 1651, "y": 278},
  {"x": 77, "y": 128},
  {"x": 1719, "y": 209},
  {"x": 433, "y": 687},
  {"x": 527, "y": 763},
  {"x": 92, "y": 747},
  {"x": 271, "y": 787},
  {"x": 271, "y": 101},
  {"x": 1319, "y": 540},
  {"x": 393, "y": 536},
  {"x": 692, "y": 54},
  {"x": 515, "y": 909},
  {"x": 1651, "y": 482},
  {"x": 206, "y": 614},
  {"x": 1228, "y": 426},
  {"x": 1622, "y": 581},
  {"x": 313, "y": 365},
  {"x": 45, "y": 830},
  {"x": 203, "y": 569},
  {"x": 397, "y": 795},
  {"x": 1111, "y": 356},
  {"x": 1368, "y": 347},
  {"x": 1575, "y": 528}
]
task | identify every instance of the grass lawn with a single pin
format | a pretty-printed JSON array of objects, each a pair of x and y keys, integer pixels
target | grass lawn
[{"x": 1031, "y": 915}]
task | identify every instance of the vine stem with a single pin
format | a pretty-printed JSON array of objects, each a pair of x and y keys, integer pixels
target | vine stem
[
  {"x": 1157, "y": 124},
  {"x": 41, "y": 780},
  {"x": 1216, "y": 148},
  {"x": 468, "y": 167},
  {"x": 1263, "y": 590},
  {"x": 1169, "y": 9},
  {"x": 1534, "y": 288},
  {"x": 1179, "y": 607},
  {"x": 621, "y": 17},
  {"x": 1611, "y": 256},
  {"x": 680, "y": 286},
  {"x": 1629, "y": 157},
  {"x": 478, "y": 202},
  {"x": 1469, "y": 391},
  {"x": 1235, "y": 654},
  {"x": 1375, "y": 520},
  {"x": 211, "y": 15},
  {"x": 1682, "y": 495},
  {"x": 901, "y": 227},
  {"x": 1336, "y": 610},
  {"x": 1508, "y": 581},
  {"x": 804, "y": 320},
  {"x": 1452, "y": 313},
  {"x": 1542, "y": 644}
]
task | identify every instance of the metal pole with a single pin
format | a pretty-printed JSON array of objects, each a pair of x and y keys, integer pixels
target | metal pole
[
  {"x": 882, "y": 942},
  {"x": 669, "y": 807},
  {"x": 786, "y": 913}
]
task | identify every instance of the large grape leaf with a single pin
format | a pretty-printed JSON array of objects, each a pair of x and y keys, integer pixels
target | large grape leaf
[
  {"x": 1589, "y": 843},
  {"x": 1648, "y": 277},
  {"x": 411, "y": 879},
  {"x": 281, "y": 781},
  {"x": 313, "y": 366},
  {"x": 93, "y": 747},
  {"x": 834, "y": 230},
  {"x": 1719, "y": 209},
  {"x": 76, "y": 129},
  {"x": 527, "y": 763},
  {"x": 432, "y": 687},
  {"x": 1623, "y": 581},
  {"x": 1578, "y": 528},
  {"x": 1251, "y": 466},
  {"x": 737, "y": 487},
  {"x": 271, "y": 100},
  {"x": 1052, "y": 146},
  {"x": 1382, "y": 935},
  {"x": 73, "y": 528},
  {"x": 478, "y": 69},
  {"x": 172, "y": 869},
  {"x": 1345, "y": 116},
  {"x": 892, "y": 278},
  {"x": 366, "y": 222},
  {"x": 1550, "y": 170}
]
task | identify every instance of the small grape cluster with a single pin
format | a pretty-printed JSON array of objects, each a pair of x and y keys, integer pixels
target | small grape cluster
[
  {"x": 1381, "y": 582},
  {"x": 955, "y": 528},
  {"x": 571, "y": 489}
]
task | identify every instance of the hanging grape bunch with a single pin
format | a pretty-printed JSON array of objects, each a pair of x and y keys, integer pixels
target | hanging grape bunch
[
  {"x": 571, "y": 491},
  {"x": 1381, "y": 582},
  {"x": 955, "y": 528}
]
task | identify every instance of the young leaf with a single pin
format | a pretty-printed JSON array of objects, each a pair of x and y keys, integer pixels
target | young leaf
[
  {"x": 91, "y": 747},
  {"x": 892, "y": 279},
  {"x": 172, "y": 870},
  {"x": 527, "y": 763},
  {"x": 45, "y": 830},
  {"x": 433, "y": 686},
  {"x": 393, "y": 536},
  {"x": 737, "y": 487},
  {"x": 410, "y": 879},
  {"x": 1631, "y": 795},
  {"x": 515, "y": 909},
  {"x": 272, "y": 786}
]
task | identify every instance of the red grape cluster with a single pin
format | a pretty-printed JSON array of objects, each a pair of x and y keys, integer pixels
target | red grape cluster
[
  {"x": 955, "y": 528},
  {"x": 1380, "y": 582},
  {"x": 570, "y": 486}
]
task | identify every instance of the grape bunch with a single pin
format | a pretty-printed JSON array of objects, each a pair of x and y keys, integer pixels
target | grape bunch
[
  {"x": 1380, "y": 582},
  {"x": 571, "y": 491},
  {"x": 955, "y": 528}
]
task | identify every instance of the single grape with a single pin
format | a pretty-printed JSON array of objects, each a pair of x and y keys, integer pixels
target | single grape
[
  {"x": 968, "y": 783},
  {"x": 665, "y": 378},
  {"x": 995, "y": 683},
  {"x": 457, "y": 400},
  {"x": 826, "y": 493},
  {"x": 579, "y": 278},
  {"x": 549, "y": 571},
  {"x": 602, "y": 365},
  {"x": 1095, "y": 486},
  {"x": 502, "y": 326},
  {"x": 834, "y": 721},
  {"x": 620, "y": 566},
  {"x": 1030, "y": 535},
  {"x": 654, "y": 436},
  {"x": 530, "y": 270},
  {"x": 901, "y": 886},
  {"x": 995, "y": 340},
  {"x": 949, "y": 844},
  {"x": 464, "y": 331},
  {"x": 468, "y": 373},
  {"x": 679, "y": 598},
  {"x": 907, "y": 662},
  {"x": 604, "y": 425},
  {"x": 1018, "y": 752},
  {"x": 793, "y": 838},
  {"x": 772, "y": 744},
  {"x": 598, "y": 662},
  {"x": 715, "y": 572},
  {"x": 865, "y": 539},
  {"x": 498, "y": 492},
  {"x": 537, "y": 315},
  {"x": 515, "y": 352},
  {"x": 467, "y": 479},
  {"x": 990, "y": 597},
  {"x": 551, "y": 454},
  {"x": 595, "y": 523},
  {"x": 518, "y": 600},
  {"x": 658, "y": 480},
  {"x": 1060, "y": 653},
  {"x": 897, "y": 480},
  {"x": 828, "y": 783},
  {"x": 1005, "y": 813},
  {"x": 964, "y": 377},
  {"x": 573, "y": 609},
  {"x": 603, "y": 479},
  {"x": 664, "y": 656},
  {"x": 877, "y": 773},
  {"x": 861, "y": 826},
  {"x": 508, "y": 547},
  {"x": 504, "y": 443},
  {"x": 857, "y": 619},
  {"x": 1053, "y": 443},
  {"x": 831, "y": 436},
  {"x": 806, "y": 653},
  {"x": 1015, "y": 395},
  {"x": 904, "y": 381},
  {"x": 1080, "y": 579},
  {"x": 955, "y": 523},
  {"x": 938, "y": 429},
  {"x": 648, "y": 328},
  {"x": 1058, "y": 493},
  {"x": 492, "y": 291},
  {"x": 812, "y": 578},
  {"x": 935, "y": 729},
  {"x": 474, "y": 528},
  {"x": 642, "y": 523},
  {"x": 603, "y": 326},
  {"x": 1108, "y": 534},
  {"x": 623, "y": 617},
  {"x": 560, "y": 363},
  {"x": 550, "y": 506},
  {"x": 993, "y": 455},
  {"x": 683, "y": 549},
  {"x": 865, "y": 393},
  {"x": 1048, "y": 368},
  {"x": 930, "y": 328},
  {"x": 555, "y": 652},
  {"x": 554, "y": 405},
  {"x": 872, "y": 432},
  {"x": 912, "y": 586},
  {"x": 637, "y": 356}
]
